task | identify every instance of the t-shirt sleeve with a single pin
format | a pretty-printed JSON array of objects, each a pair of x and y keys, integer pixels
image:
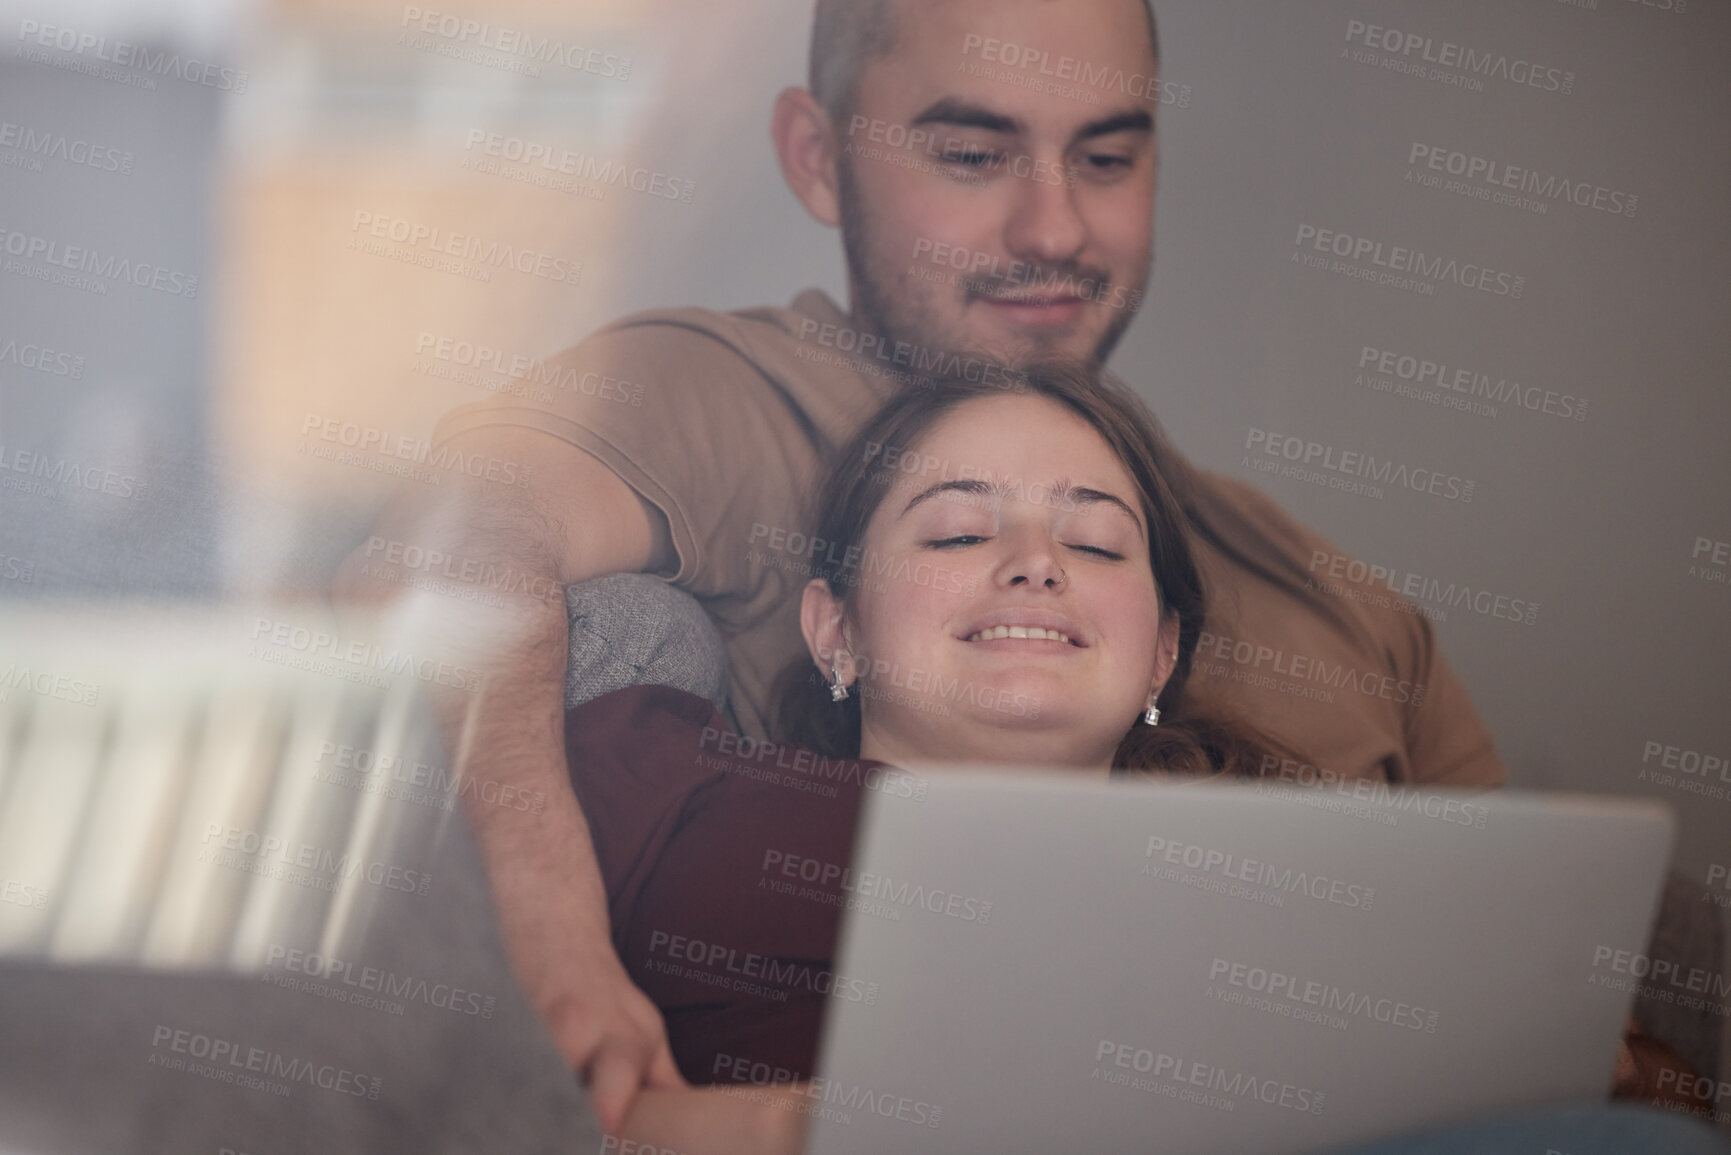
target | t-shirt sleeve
[
  {"x": 688, "y": 422},
  {"x": 1446, "y": 743}
]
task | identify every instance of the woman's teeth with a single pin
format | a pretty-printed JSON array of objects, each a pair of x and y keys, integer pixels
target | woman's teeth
[{"x": 1035, "y": 632}]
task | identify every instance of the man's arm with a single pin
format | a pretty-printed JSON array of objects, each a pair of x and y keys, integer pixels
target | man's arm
[
  {"x": 575, "y": 519},
  {"x": 1447, "y": 745}
]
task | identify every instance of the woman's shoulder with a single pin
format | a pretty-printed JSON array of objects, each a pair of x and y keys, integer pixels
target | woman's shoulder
[
  {"x": 655, "y": 729},
  {"x": 659, "y": 709},
  {"x": 669, "y": 702}
]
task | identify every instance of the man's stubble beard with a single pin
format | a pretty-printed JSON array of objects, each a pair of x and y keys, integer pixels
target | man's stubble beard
[{"x": 897, "y": 306}]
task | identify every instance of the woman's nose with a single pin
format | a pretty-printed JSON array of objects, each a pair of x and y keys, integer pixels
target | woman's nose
[{"x": 1034, "y": 565}]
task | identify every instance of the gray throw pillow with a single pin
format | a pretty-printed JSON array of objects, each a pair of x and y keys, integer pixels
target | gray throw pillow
[{"x": 634, "y": 629}]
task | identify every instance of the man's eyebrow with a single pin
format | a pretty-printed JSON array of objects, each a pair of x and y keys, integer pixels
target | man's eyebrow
[
  {"x": 1137, "y": 120},
  {"x": 960, "y": 114}
]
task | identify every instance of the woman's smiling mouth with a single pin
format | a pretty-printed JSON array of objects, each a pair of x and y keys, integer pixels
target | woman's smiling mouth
[
  {"x": 1037, "y": 633},
  {"x": 1024, "y": 624}
]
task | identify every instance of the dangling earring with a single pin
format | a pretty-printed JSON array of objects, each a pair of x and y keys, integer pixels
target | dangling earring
[
  {"x": 1152, "y": 714},
  {"x": 838, "y": 688}
]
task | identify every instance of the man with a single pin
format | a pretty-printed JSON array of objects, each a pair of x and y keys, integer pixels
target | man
[{"x": 984, "y": 223}]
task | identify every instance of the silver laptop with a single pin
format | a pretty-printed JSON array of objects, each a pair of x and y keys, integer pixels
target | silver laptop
[{"x": 1113, "y": 967}]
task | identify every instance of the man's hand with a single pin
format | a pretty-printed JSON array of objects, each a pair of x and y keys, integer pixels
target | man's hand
[
  {"x": 743, "y": 1120},
  {"x": 552, "y": 912},
  {"x": 611, "y": 1034},
  {"x": 1642, "y": 1064}
]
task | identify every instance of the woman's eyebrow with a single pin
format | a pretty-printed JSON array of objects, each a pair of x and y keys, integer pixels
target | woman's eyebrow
[
  {"x": 1063, "y": 493},
  {"x": 974, "y": 487},
  {"x": 1081, "y": 495}
]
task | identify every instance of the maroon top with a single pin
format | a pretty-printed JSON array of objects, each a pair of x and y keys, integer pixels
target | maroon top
[{"x": 725, "y": 861}]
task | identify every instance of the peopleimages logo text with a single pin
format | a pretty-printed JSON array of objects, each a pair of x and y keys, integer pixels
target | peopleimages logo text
[
  {"x": 759, "y": 974},
  {"x": 47, "y": 684},
  {"x": 579, "y": 165},
  {"x": 1257, "y": 872},
  {"x": 405, "y": 447},
  {"x": 69, "y": 150},
  {"x": 1447, "y": 54},
  {"x": 377, "y": 980},
  {"x": 1328, "y": 997},
  {"x": 1330, "y": 570},
  {"x": 41, "y": 359},
  {"x": 395, "y": 661},
  {"x": 1502, "y": 175},
  {"x": 868, "y": 353},
  {"x": 237, "y": 1061},
  {"x": 466, "y": 247},
  {"x": 1070, "y": 69},
  {"x": 516, "y": 42},
  {"x": 1355, "y": 464},
  {"x": 1454, "y": 379},
  {"x": 108, "y": 267},
  {"x": 161, "y": 62},
  {"x": 242, "y": 844},
  {"x": 1416, "y": 262},
  {"x": 56, "y": 471},
  {"x": 1199, "y": 1079}
]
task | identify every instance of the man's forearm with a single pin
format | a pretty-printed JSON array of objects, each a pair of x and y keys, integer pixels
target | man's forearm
[
  {"x": 540, "y": 860},
  {"x": 577, "y": 521}
]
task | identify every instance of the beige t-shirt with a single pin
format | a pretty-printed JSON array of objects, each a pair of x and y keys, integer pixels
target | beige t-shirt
[{"x": 725, "y": 421}]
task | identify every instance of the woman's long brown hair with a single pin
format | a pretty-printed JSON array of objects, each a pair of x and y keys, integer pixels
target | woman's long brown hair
[{"x": 1190, "y": 739}]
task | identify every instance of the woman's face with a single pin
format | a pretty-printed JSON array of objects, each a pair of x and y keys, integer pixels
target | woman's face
[{"x": 1006, "y": 610}]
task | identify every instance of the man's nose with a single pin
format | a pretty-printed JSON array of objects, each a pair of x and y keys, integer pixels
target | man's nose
[{"x": 1045, "y": 227}]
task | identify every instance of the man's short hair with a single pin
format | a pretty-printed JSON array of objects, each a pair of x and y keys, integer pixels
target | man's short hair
[{"x": 847, "y": 35}]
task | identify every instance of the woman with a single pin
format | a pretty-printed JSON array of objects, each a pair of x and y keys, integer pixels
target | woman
[
  {"x": 1067, "y": 484},
  {"x": 998, "y": 577}
]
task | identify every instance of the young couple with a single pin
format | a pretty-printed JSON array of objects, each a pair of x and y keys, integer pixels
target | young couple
[
  {"x": 1057, "y": 514},
  {"x": 741, "y": 413}
]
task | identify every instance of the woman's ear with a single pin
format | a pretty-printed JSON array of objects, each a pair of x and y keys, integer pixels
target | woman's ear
[
  {"x": 1165, "y": 651},
  {"x": 805, "y": 146},
  {"x": 823, "y": 621}
]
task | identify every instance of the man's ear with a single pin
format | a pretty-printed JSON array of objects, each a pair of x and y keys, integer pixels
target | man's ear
[
  {"x": 1165, "y": 651},
  {"x": 823, "y": 621},
  {"x": 805, "y": 144}
]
